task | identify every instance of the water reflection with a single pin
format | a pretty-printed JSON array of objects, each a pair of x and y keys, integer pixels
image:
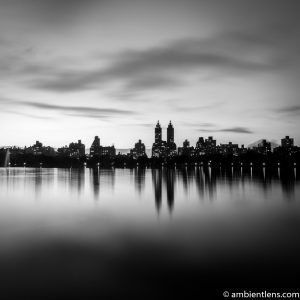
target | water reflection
[
  {"x": 168, "y": 184},
  {"x": 77, "y": 179},
  {"x": 157, "y": 187},
  {"x": 95, "y": 173},
  {"x": 227, "y": 238},
  {"x": 139, "y": 175}
]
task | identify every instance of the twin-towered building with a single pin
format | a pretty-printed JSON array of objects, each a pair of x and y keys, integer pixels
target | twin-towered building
[{"x": 161, "y": 148}]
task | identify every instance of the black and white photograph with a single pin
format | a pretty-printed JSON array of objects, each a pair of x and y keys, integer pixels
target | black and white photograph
[{"x": 149, "y": 149}]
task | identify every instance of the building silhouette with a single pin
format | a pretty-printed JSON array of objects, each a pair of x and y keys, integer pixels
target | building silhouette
[
  {"x": 287, "y": 142},
  {"x": 97, "y": 150},
  {"x": 39, "y": 149},
  {"x": 170, "y": 140},
  {"x": 158, "y": 136},
  {"x": 229, "y": 148},
  {"x": 287, "y": 147},
  {"x": 263, "y": 147},
  {"x": 77, "y": 149},
  {"x": 186, "y": 150},
  {"x": 162, "y": 148},
  {"x": 138, "y": 150}
]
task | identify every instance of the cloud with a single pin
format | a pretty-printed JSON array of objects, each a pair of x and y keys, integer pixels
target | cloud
[
  {"x": 196, "y": 124},
  {"x": 168, "y": 65},
  {"x": 28, "y": 115},
  {"x": 289, "y": 110},
  {"x": 237, "y": 130},
  {"x": 75, "y": 111},
  {"x": 48, "y": 12},
  {"x": 231, "y": 129}
]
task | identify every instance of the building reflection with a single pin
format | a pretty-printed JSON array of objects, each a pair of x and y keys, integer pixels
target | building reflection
[
  {"x": 157, "y": 187},
  {"x": 288, "y": 182},
  {"x": 104, "y": 177},
  {"x": 77, "y": 179},
  {"x": 164, "y": 179},
  {"x": 38, "y": 182},
  {"x": 95, "y": 173},
  {"x": 139, "y": 179},
  {"x": 169, "y": 180}
]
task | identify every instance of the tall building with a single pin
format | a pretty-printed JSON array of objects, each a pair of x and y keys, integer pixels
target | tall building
[
  {"x": 200, "y": 147},
  {"x": 287, "y": 142},
  {"x": 162, "y": 148},
  {"x": 138, "y": 150},
  {"x": 287, "y": 147},
  {"x": 77, "y": 149},
  {"x": 95, "y": 148},
  {"x": 170, "y": 133},
  {"x": 210, "y": 143},
  {"x": 170, "y": 140},
  {"x": 158, "y": 137},
  {"x": 98, "y": 150},
  {"x": 263, "y": 147}
]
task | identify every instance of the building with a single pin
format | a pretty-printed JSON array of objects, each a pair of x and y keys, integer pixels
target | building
[
  {"x": 287, "y": 142},
  {"x": 263, "y": 147},
  {"x": 186, "y": 150},
  {"x": 162, "y": 148},
  {"x": 207, "y": 146},
  {"x": 200, "y": 147},
  {"x": 229, "y": 148},
  {"x": 210, "y": 145},
  {"x": 63, "y": 151},
  {"x": 77, "y": 149},
  {"x": 138, "y": 150},
  {"x": 98, "y": 150},
  {"x": 158, "y": 136},
  {"x": 170, "y": 140},
  {"x": 39, "y": 149},
  {"x": 95, "y": 147},
  {"x": 287, "y": 147}
]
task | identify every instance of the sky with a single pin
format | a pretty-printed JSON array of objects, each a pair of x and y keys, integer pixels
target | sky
[{"x": 75, "y": 69}]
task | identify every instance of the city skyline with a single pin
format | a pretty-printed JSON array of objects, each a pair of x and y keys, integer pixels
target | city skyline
[
  {"x": 160, "y": 147},
  {"x": 73, "y": 69}
]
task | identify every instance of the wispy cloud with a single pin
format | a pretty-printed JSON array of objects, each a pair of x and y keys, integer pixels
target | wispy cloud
[
  {"x": 290, "y": 110},
  {"x": 76, "y": 111},
  {"x": 237, "y": 130},
  {"x": 32, "y": 116},
  {"x": 198, "y": 124},
  {"x": 169, "y": 65},
  {"x": 231, "y": 129}
]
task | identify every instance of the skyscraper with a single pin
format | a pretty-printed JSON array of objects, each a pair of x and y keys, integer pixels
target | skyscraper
[
  {"x": 170, "y": 133},
  {"x": 157, "y": 133},
  {"x": 162, "y": 148}
]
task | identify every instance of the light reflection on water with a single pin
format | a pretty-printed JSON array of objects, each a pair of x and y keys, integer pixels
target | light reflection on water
[{"x": 187, "y": 221}]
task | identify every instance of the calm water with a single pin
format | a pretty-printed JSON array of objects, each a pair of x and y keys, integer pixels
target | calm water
[{"x": 146, "y": 233}]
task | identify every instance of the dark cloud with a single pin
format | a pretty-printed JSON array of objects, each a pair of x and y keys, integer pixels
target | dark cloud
[
  {"x": 237, "y": 130},
  {"x": 77, "y": 111},
  {"x": 231, "y": 129},
  {"x": 163, "y": 66},
  {"x": 47, "y": 12},
  {"x": 290, "y": 110},
  {"x": 28, "y": 115},
  {"x": 75, "y": 108},
  {"x": 205, "y": 124}
]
